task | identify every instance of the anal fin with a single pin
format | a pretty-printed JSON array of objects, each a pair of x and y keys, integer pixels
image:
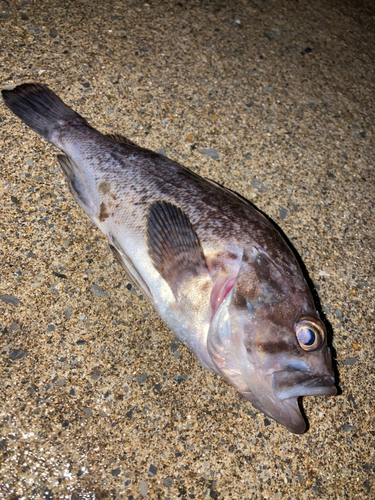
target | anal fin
[
  {"x": 126, "y": 262},
  {"x": 173, "y": 245}
]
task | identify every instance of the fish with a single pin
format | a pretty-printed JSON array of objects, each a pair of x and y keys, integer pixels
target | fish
[{"x": 217, "y": 271}]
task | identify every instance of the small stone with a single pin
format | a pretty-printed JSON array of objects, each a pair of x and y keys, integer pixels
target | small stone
[
  {"x": 152, "y": 471},
  {"x": 350, "y": 361},
  {"x": 17, "y": 354},
  {"x": 268, "y": 89},
  {"x": 68, "y": 312},
  {"x": 4, "y": 15},
  {"x": 142, "y": 378},
  {"x": 175, "y": 346},
  {"x": 88, "y": 412},
  {"x": 30, "y": 254},
  {"x": 237, "y": 20},
  {"x": 59, "y": 275},
  {"x": 212, "y": 153},
  {"x": 337, "y": 313},
  {"x": 362, "y": 134},
  {"x": 129, "y": 414},
  {"x": 266, "y": 422},
  {"x": 157, "y": 387},
  {"x": 308, "y": 50},
  {"x": 53, "y": 33},
  {"x": 86, "y": 85},
  {"x": 14, "y": 327},
  {"x": 179, "y": 378},
  {"x": 72, "y": 392},
  {"x": 81, "y": 342},
  {"x": 51, "y": 328},
  {"x": 257, "y": 184},
  {"x": 168, "y": 481},
  {"x": 348, "y": 427},
  {"x": 65, "y": 423},
  {"x": 116, "y": 472},
  {"x": 98, "y": 291},
  {"x": 283, "y": 213},
  {"x": 10, "y": 299},
  {"x": 161, "y": 151},
  {"x": 60, "y": 383},
  {"x": 143, "y": 487}
]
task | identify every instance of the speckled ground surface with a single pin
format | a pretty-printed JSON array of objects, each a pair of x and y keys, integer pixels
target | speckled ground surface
[{"x": 98, "y": 398}]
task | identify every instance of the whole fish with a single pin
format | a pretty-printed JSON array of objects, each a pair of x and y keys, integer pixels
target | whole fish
[{"x": 216, "y": 270}]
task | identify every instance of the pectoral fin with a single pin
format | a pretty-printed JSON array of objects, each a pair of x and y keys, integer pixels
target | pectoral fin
[
  {"x": 173, "y": 245},
  {"x": 75, "y": 183}
]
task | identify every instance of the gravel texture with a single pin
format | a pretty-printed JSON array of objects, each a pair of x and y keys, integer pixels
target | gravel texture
[{"x": 274, "y": 100}]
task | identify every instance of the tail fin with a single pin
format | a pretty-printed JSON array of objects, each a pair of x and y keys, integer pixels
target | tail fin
[{"x": 39, "y": 107}]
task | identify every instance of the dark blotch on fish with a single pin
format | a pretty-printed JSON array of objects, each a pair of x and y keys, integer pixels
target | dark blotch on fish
[{"x": 103, "y": 215}]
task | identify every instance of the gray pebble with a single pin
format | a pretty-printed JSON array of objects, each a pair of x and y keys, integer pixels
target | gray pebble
[
  {"x": 337, "y": 313},
  {"x": 257, "y": 184},
  {"x": 142, "y": 378},
  {"x": 143, "y": 487},
  {"x": 348, "y": 427},
  {"x": 161, "y": 151},
  {"x": 68, "y": 312},
  {"x": 152, "y": 471},
  {"x": 10, "y": 299},
  {"x": 283, "y": 213},
  {"x": 17, "y": 354},
  {"x": 88, "y": 412},
  {"x": 175, "y": 346},
  {"x": 98, "y": 291},
  {"x": 350, "y": 361},
  {"x": 116, "y": 472},
  {"x": 14, "y": 327},
  {"x": 168, "y": 481},
  {"x": 268, "y": 89},
  {"x": 212, "y": 153},
  {"x": 51, "y": 328}
]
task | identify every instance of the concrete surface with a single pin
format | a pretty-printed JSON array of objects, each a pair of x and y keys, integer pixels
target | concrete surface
[{"x": 98, "y": 398}]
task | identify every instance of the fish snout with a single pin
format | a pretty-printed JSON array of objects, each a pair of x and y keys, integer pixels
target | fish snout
[{"x": 294, "y": 383}]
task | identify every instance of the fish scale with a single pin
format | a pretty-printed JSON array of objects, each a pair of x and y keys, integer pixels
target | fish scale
[{"x": 217, "y": 270}]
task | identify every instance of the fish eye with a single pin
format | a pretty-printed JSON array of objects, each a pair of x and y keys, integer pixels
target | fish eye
[{"x": 310, "y": 333}]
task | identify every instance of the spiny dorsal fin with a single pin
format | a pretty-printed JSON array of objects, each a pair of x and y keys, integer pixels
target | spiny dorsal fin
[
  {"x": 122, "y": 140},
  {"x": 173, "y": 244}
]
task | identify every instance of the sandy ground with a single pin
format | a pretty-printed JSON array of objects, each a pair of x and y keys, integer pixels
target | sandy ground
[{"x": 99, "y": 400}]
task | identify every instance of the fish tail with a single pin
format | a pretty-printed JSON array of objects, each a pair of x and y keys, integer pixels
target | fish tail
[{"x": 40, "y": 108}]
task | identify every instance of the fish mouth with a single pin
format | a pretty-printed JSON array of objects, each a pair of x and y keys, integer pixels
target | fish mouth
[
  {"x": 293, "y": 383},
  {"x": 287, "y": 386}
]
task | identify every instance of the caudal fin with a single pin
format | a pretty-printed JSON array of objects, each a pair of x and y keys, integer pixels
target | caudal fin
[{"x": 40, "y": 108}]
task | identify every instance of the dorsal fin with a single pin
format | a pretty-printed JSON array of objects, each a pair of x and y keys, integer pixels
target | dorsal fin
[
  {"x": 173, "y": 244},
  {"x": 122, "y": 140}
]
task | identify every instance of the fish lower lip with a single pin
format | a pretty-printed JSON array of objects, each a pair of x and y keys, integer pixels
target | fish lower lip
[{"x": 294, "y": 383}]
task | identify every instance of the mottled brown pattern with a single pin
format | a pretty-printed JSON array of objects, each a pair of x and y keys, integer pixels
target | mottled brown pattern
[{"x": 103, "y": 214}]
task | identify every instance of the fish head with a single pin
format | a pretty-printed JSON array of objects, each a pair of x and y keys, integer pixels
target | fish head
[{"x": 267, "y": 339}]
